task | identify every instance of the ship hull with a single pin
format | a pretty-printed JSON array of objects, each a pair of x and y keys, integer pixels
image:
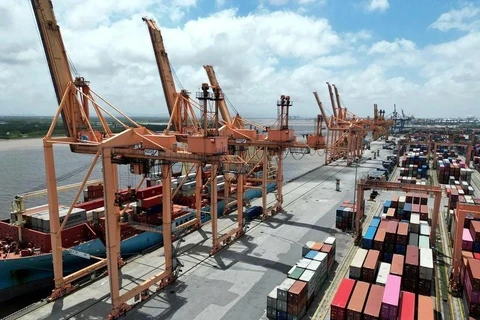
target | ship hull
[{"x": 21, "y": 276}]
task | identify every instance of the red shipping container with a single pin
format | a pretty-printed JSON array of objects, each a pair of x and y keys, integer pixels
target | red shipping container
[
  {"x": 473, "y": 269},
  {"x": 150, "y": 202},
  {"x": 370, "y": 266},
  {"x": 476, "y": 255},
  {"x": 396, "y": 267},
  {"x": 426, "y": 308},
  {"x": 149, "y": 192},
  {"x": 407, "y": 306},
  {"x": 297, "y": 292},
  {"x": 295, "y": 308},
  {"x": 374, "y": 303},
  {"x": 391, "y": 231},
  {"x": 357, "y": 301},
  {"x": 341, "y": 298},
  {"x": 90, "y": 205}
]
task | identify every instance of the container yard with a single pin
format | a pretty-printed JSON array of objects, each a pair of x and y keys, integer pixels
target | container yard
[{"x": 196, "y": 220}]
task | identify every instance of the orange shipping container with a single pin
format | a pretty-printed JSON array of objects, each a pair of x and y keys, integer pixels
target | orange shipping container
[
  {"x": 357, "y": 301},
  {"x": 426, "y": 308},
  {"x": 396, "y": 267}
]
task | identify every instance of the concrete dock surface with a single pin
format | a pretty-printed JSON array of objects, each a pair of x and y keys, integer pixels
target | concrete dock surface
[{"x": 234, "y": 283}]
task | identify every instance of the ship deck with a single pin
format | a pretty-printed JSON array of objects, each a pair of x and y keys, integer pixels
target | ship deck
[{"x": 234, "y": 283}]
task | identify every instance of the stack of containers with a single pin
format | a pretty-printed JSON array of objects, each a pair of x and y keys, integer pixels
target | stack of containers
[
  {"x": 383, "y": 272},
  {"x": 294, "y": 295},
  {"x": 426, "y": 308},
  {"x": 297, "y": 300},
  {"x": 373, "y": 306},
  {"x": 357, "y": 301},
  {"x": 410, "y": 274},
  {"x": 282, "y": 298},
  {"x": 391, "y": 298},
  {"x": 475, "y": 233},
  {"x": 396, "y": 267},
  {"x": 370, "y": 266},
  {"x": 390, "y": 239},
  {"x": 344, "y": 215},
  {"x": 356, "y": 265},
  {"x": 407, "y": 306},
  {"x": 472, "y": 287},
  {"x": 338, "y": 307},
  {"x": 425, "y": 276},
  {"x": 402, "y": 238},
  {"x": 368, "y": 238}
]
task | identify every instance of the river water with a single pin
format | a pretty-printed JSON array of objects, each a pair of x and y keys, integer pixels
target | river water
[{"x": 22, "y": 168}]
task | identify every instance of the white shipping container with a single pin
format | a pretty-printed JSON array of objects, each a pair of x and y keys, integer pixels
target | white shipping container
[
  {"x": 308, "y": 277},
  {"x": 425, "y": 230},
  {"x": 272, "y": 298},
  {"x": 322, "y": 257},
  {"x": 426, "y": 264},
  {"x": 357, "y": 262},
  {"x": 282, "y": 289},
  {"x": 307, "y": 247},
  {"x": 303, "y": 263},
  {"x": 414, "y": 225},
  {"x": 383, "y": 272},
  {"x": 314, "y": 266},
  {"x": 331, "y": 241}
]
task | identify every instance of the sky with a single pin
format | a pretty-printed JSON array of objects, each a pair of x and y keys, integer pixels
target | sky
[{"x": 420, "y": 55}]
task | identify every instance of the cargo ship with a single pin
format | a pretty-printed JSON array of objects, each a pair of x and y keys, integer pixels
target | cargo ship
[{"x": 26, "y": 259}]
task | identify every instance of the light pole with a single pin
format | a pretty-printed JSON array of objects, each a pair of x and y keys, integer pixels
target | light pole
[{"x": 355, "y": 194}]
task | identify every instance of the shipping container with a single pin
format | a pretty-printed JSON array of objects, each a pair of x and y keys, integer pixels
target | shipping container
[
  {"x": 397, "y": 265},
  {"x": 310, "y": 279},
  {"x": 473, "y": 268},
  {"x": 296, "y": 273},
  {"x": 311, "y": 254},
  {"x": 357, "y": 263},
  {"x": 378, "y": 242},
  {"x": 272, "y": 303},
  {"x": 475, "y": 230},
  {"x": 367, "y": 240},
  {"x": 383, "y": 272},
  {"x": 413, "y": 239},
  {"x": 317, "y": 246},
  {"x": 414, "y": 223},
  {"x": 383, "y": 224},
  {"x": 282, "y": 291},
  {"x": 321, "y": 257},
  {"x": 391, "y": 297},
  {"x": 307, "y": 247},
  {"x": 426, "y": 308},
  {"x": 410, "y": 272},
  {"x": 370, "y": 266},
  {"x": 423, "y": 242},
  {"x": 407, "y": 306},
  {"x": 374, "y": 303},
  {"x": 357, "y": 301},
  {"x": 425, "y": 229},
  {"x": 467, "y": 240},
  {"x": 303, "y": 263},
  {"x": 426, "y": 264},
  {"x": 375, "y": 222},
  {"x": 297, "y": 292},
  {"x": 402, "y": 233},
  {"x": 341, "y": 299}
]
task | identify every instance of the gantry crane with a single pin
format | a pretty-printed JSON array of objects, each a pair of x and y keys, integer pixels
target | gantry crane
[
  {"x": 363, "y": 185},
  {"x": 135, "y": 146},
  {"x": 239, "y": 138},
  {"x": 316, "y": 140}
]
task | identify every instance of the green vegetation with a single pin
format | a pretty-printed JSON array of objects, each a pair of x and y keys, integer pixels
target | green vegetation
[{"x": 37, "y": 127}]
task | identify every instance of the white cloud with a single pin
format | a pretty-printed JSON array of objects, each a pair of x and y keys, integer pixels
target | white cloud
[
  {"x": 377, "y": 5},
  {"x": 461, "y": 19},
  {"x": 257, "y": 57}
]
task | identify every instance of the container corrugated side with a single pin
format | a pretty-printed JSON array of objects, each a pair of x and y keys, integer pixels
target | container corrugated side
[
  {"x": 272, "y": 299},
  {"x": 426, "y": 264},
  {"x": 391, "y": 297},
  {"x": 357, "y": 300},
  {"x": 341, "y": 298},
  {"x": 415, "y": 223},
  {"x": 374, "y": 303},
  {"x": 357, "y": 263},
  {"x": 370, "y": 265}
]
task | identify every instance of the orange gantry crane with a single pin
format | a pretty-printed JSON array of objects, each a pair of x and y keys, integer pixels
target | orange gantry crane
[
  {"x": 381, "y": 126},
  {"x": 135, "y": 146},
  {"x": 345, "y": 131},
  {"x": 255, "y": 149}
]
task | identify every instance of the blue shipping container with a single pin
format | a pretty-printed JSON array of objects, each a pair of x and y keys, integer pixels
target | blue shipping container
[
  {"x": 401, "y": 249},
  {"x": 367, "y": 241},
  {"x": 311, "y": 254},
  {"x": 375, "y": 222}
]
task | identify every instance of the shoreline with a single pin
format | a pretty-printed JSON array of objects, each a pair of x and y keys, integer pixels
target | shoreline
[{"x": 28, "y": 143}]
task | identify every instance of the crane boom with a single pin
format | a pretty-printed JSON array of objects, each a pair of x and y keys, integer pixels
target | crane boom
[
  {"x": 163, "y": 64},
  {"x": 58, "y": 64},
  {"x": 322, "y": 109},
  {"x": 214, "y": 83}
]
